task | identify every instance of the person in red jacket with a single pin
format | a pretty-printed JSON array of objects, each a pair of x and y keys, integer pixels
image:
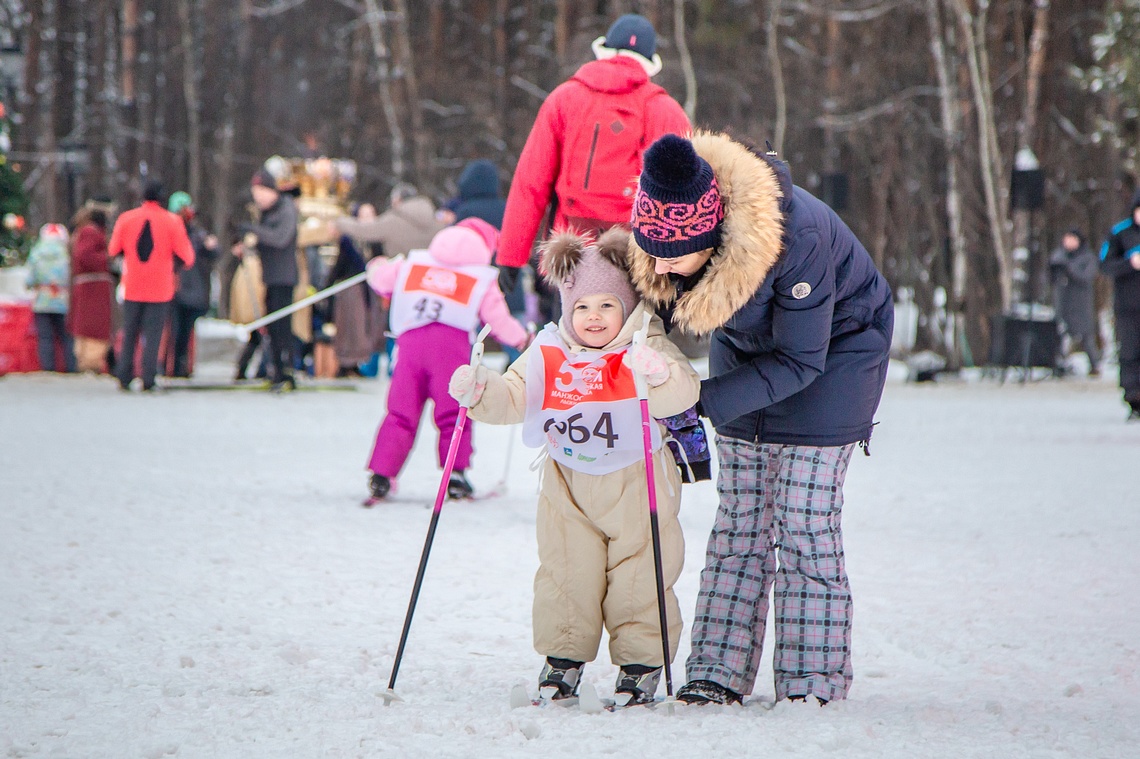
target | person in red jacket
[
  {"x": 583, "y": 154},
  {"x": 149, "y": 238}
]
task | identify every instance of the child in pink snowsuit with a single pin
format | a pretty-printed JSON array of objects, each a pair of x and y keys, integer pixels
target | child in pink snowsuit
[{"x": 439, "y": 297}]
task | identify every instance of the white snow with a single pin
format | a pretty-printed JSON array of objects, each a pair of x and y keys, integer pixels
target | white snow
[{"x": 191, "y": 575}]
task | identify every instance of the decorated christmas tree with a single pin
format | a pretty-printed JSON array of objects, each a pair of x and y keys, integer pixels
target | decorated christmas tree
[{"x": 13, "y": 201}]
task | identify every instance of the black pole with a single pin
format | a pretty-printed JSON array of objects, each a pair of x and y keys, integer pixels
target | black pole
[
  {"x": 655, "y": 531},
  {"x": 414, "y": 598},
  {"x": 1030, "y": 271}
]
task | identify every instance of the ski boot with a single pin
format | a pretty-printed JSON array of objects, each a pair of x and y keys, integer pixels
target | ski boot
[
  {"x": 707, "y": 692},
  {"x": 378, "y": 487},
  {"x": 458, "y": 488},
  {"x": 559, "y": 679},
  {"x": 636, "y": 684}
]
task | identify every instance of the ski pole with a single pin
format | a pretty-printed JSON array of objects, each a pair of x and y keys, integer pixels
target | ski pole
[
  {"x": 281, "y": 313},
  {"x": 453, "y": 449},
  {"x": 654, "y": 528}
]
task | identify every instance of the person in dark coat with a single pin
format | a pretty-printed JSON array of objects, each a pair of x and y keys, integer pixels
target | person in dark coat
[
  {"x": 480, "y": 197},
  {"x": 276, "y": 233},
  {"x": 192, "y": 299},
  {"x": 1120, "y": 259},
  {"x": 800, "y": 324},
  {"x": 350, "y": 311},
  {"x": 479, "y": 194},
  {"x": 1073, "y": 268}
]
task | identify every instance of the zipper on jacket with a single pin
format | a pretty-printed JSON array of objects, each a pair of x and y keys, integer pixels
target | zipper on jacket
[{"x": 590, "y": 158}]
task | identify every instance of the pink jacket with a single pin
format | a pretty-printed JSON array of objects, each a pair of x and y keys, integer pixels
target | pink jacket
[{"x": 460, "y": 245}]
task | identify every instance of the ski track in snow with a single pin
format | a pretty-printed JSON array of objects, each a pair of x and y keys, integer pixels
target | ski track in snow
[{"x": 192, "y": 575}]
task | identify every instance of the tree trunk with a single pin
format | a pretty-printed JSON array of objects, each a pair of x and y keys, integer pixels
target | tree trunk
[
  {"x": 102, "y": 85},
  {"x": 188, "y": 18},
  {"x": 502, "y": 71},
  {"x": 47, "y": 145},
  {"x": 777, "y": 74},
  {"x": 686, "y": 60},
  {"x": 987, "y": 147},
  {"x": 834, "y": 84},
  {"x": 130, "y": 191},
  {"x": 420, "y": 137},
  {"x": 950, "y": 121},
  {"x": 1035, "y": 66},
  {"x": 374, "y": 17},
  {"x": 235, "y": 97},
  {"x": 562, "y": 31}
]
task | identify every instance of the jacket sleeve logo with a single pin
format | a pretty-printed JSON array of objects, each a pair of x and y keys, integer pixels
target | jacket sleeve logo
[{"x": 801, "y": 290}]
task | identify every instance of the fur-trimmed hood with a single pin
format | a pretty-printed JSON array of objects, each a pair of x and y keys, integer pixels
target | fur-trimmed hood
[{"x": 755, "y": 201}]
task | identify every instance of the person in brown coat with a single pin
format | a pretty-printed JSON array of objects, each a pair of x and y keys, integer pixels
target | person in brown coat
[
  {"x": 92, "y": 291},
  {"x": 409, "y": 224}
]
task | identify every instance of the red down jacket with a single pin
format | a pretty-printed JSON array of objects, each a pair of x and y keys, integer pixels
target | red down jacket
[{"x": 584, "y": 153}]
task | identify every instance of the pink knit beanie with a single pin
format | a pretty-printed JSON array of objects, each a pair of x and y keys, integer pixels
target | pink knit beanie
[{"x": 579, "y": 267}]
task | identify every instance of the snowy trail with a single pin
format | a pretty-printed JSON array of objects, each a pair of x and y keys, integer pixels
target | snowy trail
[{"x": 191, "y": 575}]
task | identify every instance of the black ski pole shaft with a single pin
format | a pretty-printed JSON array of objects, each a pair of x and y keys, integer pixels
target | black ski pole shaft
[
  {"x": 415, "y": 597},
  {"x": 642, "y": 386},
  {"x": 656, "y": 533},
  {"x": 448, "y": 467}
]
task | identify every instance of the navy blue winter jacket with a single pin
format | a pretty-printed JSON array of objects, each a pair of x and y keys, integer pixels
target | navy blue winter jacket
[
  {"x": 800, "y": 318},
  {"x": 1115, "y": 255},
  {"x": 479, "y": 194}
]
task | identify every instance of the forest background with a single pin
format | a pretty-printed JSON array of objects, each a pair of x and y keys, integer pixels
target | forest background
[{"x": 906, "y": 115}]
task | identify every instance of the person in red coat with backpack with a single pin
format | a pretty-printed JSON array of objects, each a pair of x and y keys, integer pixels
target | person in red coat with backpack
[{"x": 583, "y": 154}]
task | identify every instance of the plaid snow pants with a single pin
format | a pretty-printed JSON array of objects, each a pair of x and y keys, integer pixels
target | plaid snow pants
[{"x": 783, "y": 499}]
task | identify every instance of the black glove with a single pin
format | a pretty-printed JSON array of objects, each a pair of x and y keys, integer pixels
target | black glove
[{"x": 508, "y": 278}]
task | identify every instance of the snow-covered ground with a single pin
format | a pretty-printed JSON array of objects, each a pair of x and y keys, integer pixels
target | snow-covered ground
[{"x": 191, "y": 575}]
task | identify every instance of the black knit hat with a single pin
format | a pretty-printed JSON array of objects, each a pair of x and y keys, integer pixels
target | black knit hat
[
  {"x": 677, "y": 209},
  {"x": 633, "y": 32}
]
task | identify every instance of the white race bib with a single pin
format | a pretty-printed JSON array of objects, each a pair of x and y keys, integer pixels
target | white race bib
[
  {"x": 583, "y": 407},
  {"x": 428, "y": 292}
]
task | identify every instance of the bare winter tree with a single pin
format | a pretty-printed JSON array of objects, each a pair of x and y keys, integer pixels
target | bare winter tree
[{"x": 203, "y": 91}]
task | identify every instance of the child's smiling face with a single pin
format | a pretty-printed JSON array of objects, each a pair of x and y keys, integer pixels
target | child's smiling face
[{"x": 597, "y": 319}]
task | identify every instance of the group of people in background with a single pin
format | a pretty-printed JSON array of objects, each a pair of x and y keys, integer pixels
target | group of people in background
[{"x": 158, "y": 259}]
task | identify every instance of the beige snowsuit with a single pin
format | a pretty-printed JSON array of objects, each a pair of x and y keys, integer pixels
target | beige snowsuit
[{"x": 594, "y": 545}]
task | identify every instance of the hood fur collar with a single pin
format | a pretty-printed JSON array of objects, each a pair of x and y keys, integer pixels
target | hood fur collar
[{"x": 751, "y": 240}]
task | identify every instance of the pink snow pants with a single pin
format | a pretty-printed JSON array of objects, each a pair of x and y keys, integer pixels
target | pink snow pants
[{"x": 425, "y": 360}]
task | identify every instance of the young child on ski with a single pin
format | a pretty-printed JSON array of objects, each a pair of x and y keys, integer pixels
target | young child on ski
[
  {"x": 439, "y": 296},
  {"x": 573, "y": 390}
]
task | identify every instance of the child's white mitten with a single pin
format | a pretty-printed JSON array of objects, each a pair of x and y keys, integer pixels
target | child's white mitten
[
  {"x": 467, "y": 380},
  {"x": 648, "y": 363}
]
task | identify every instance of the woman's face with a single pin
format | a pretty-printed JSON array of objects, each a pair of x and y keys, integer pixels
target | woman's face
[
  {"x": 597, "y": 319},
  {"x": 686, "y": 265}
]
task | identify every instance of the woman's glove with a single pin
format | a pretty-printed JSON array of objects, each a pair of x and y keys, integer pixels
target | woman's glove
[
  {"x": 648, "y": 363},
  {"x": 465, "y": 380}
]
